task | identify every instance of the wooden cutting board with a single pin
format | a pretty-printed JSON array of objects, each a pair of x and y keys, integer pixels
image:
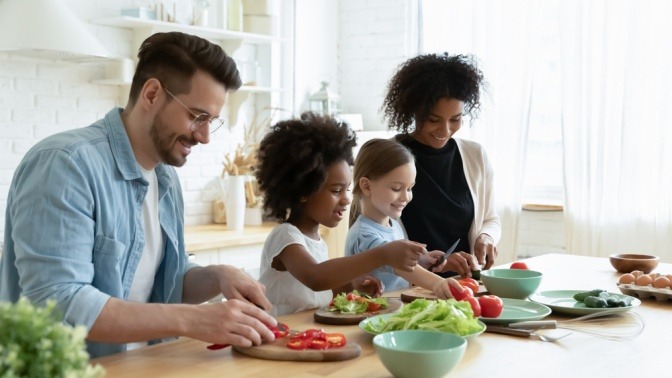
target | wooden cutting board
[
  {"x": 419, "y": 292},
  {"x": 277, "y": 350},
  {"x": 324, "y": 316}
]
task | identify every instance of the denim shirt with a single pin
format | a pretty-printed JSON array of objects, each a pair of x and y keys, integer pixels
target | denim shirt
[{"x": 73, "y": 226}]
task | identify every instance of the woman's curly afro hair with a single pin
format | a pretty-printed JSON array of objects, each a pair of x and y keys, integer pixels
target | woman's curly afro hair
[
  {"x": 293, "y": 159},
  {"x": 421, "y": 82}
]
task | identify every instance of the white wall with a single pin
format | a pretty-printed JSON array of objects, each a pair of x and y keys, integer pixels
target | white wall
[{"x": 42, "y": 97}]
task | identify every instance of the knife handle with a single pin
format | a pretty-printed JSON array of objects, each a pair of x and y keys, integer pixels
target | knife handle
[
  {"x": 438, "y": 262},
  {"x": 535, "y": 324},
  {"x": 508, "y": 331}
]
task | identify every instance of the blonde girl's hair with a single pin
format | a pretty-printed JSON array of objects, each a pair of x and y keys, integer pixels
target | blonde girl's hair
[{"x": 375, "y": 159}]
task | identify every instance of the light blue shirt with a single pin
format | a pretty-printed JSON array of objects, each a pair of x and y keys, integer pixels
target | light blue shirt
[
  {"x": 365, "y": 234},
  {"x": 73, "y": 226}
]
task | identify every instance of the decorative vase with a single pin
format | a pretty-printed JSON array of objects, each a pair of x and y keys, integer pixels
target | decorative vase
[{"x": 235, "y": 202}]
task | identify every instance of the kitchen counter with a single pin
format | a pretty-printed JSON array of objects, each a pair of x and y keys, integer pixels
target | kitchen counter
[
  {"x": 488, "y": 355},
  {"x": 214, "y": 236}
]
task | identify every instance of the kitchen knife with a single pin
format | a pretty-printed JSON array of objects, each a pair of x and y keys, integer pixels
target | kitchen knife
[{"x": 440, "y": 260}]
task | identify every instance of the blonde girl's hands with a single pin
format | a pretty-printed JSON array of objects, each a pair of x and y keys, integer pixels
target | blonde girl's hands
[
  {"x": 368, "y": 284},
  {"x": 460, "y": 262},
  {"x": 404, "y": 254},
  {"x": 430, "y": 258},
  {"x": 485, "y": 251},
  {"x": 442, "y": 288}
]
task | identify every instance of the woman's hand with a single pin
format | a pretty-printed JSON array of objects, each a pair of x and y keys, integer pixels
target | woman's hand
[
  {"x": 430, "y": 258},
  {"x": 485, "y": 251},
  {"x": 460, "y": 262}
]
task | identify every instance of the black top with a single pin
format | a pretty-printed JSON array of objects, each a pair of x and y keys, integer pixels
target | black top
[{"x": 442, "y": 208}]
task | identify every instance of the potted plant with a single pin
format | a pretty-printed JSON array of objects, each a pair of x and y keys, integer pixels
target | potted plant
[{"x": 34, "y": 342}]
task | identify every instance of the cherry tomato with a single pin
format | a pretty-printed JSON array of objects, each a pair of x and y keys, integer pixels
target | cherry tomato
[
  {"x": 475, "y": 306},
  {"x": 470, "y": 283},
  {"x": 297, "y": 344},
  {"x": 519, "y": 265},
  {"x": 335, "y": 340},
  {"x": 466, "y": 292},
  {"x": 491, "y": 306},
  {"x": 318, "y": 344}
]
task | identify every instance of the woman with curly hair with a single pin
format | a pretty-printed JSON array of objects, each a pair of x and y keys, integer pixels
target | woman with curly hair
[
  {"x": 304, "y": 171},
  {"x": 426, "y": 101}
]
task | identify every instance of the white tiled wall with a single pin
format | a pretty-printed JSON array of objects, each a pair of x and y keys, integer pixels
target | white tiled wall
[{"x": 42, "y": 97}]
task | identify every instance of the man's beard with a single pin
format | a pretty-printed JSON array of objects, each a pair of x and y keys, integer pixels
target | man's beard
[{"x": 164, "y": 144}]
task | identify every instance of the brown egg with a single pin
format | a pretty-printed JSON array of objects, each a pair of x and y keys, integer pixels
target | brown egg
[
  {"x": 669, "y": 277},
  {"x": 637, "y": 273},
  {"x": 627, "y": 278},
  {"x": 654, "y": 275},
  {"x": 661, "y": 282},
  {"x": 644, "y": 280}
]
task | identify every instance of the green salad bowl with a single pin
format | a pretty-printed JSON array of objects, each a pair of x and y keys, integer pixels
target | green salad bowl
[
  {"x": 416, "y": 353},
  {"x": 511, "y": 283}
]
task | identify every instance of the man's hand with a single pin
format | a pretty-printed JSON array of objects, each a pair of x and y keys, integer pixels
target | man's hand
[
  {"x": 232, "y": 322},
  {"x": 236, "y": 284}
]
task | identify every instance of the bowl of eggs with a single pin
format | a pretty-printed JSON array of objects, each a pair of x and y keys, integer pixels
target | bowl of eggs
[{"x": 629, "y": 262}]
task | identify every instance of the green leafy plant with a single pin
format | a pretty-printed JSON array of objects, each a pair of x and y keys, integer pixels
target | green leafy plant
[{"x": 34, "y": 342}]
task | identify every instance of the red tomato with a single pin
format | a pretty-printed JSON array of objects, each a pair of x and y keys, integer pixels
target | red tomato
[
  {"x": 475, "y": 306},
  {"x": 491, "y": 306},
  {"x": 335, "y": 340},
  {"x": 470, "y": 283},
  {"x": 519, "y": 265},
  {"x": 318, "y": 344},
  {"x": 373, "y": 306},
  {"x": 466, "y": 292},
  {"x": 297, "y": 344}
]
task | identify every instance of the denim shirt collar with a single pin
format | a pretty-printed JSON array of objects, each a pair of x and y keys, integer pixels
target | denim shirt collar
[{"x": 123, "y": 152}]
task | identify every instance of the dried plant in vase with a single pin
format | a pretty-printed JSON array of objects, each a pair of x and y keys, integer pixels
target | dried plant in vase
[{"x": 244, "y": 158}]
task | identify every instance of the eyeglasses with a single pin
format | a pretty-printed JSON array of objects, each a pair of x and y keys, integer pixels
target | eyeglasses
[{"x": 200, "y": 120}]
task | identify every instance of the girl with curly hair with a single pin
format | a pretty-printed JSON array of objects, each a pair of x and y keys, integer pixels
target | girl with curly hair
[
  {"x": 426, "y": 102},
  {"x": 304, "y": 171},
  {"x": 384, "y": 176}
]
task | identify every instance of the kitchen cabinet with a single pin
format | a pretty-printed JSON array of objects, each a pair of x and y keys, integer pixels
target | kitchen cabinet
[{"x": 259, "y": 58}]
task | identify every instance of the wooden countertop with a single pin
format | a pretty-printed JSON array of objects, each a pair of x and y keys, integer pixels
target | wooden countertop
[
  {"x": 214, "y": 236},
  {"x": 488, "y": 355}
]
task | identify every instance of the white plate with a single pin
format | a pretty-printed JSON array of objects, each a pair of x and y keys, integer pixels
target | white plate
[
  {"x": 377, "y": 318},
  {"x": 562, "y": 301},
  {"x": 518, "y": 310}
]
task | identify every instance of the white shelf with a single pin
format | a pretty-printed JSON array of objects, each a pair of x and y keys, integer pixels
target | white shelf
[{"x": 205, "y": 32}]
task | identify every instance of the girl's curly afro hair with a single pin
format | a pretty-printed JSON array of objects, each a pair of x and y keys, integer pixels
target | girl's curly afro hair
[
  {"x": 421, "y": 82},
  {"x": 293, "y": 159}
]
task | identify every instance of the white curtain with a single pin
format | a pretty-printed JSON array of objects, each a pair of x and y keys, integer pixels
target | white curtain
[
  {"x": 500, "y": 34},
  {"x": 617, "y": 126}
]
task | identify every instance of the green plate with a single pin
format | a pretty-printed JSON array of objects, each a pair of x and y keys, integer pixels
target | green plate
[
  {"x": 562, "y": 301},
  {"x": 377, "y": 318},
  {"x": 518, "y": 310}
]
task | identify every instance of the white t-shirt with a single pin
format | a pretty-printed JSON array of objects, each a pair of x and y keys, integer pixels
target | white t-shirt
[
  {"x": 152, "y": 254},
  {"x": 287, "y": 294}
]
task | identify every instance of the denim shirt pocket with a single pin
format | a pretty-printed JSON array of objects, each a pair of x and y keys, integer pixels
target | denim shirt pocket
[{"x": 108, "y": 266}]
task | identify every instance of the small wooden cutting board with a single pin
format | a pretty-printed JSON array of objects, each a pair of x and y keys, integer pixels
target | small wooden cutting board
[
  {"x": 324, "y": 316},
  {"x": 277, "y": 350}
]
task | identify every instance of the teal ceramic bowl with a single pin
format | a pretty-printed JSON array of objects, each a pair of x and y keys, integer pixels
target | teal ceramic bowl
[
  {"x": 511, "y": 283},
  {"x": 415, "y": 353}
]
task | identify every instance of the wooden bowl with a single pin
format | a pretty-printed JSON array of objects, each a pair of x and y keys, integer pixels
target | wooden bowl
[{"x": 627, "y": 262}]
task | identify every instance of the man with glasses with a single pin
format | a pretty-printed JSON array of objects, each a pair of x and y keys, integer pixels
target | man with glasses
[{"x": 95, "y": 216}]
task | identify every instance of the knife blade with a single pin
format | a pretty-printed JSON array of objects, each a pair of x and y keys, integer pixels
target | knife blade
[{"x": 440, "y": 260}]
